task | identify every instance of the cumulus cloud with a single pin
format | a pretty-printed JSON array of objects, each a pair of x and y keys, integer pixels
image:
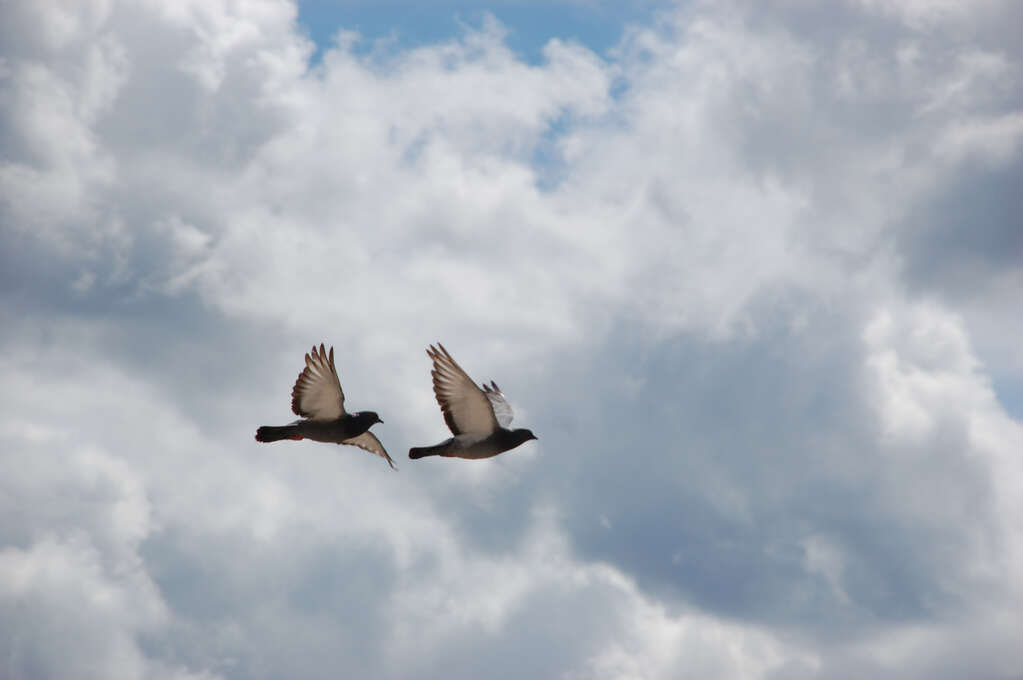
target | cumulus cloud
[{"x": 747, "y": 275}]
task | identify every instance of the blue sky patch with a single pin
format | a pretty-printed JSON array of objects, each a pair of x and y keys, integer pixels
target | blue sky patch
[{"x": 530, "y": 25}]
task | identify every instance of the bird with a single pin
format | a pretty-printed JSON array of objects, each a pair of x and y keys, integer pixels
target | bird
[
  {"x": 318, "y": 399},
  {"x": 478, "y": 418}
]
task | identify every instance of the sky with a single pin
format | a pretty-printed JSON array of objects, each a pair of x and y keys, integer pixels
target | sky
[{"x": 750, "y": 270}]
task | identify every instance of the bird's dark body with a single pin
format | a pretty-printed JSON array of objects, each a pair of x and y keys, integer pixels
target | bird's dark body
[
  {"x": 333, "y": 431},
  {"x": 500, "y": 441}
]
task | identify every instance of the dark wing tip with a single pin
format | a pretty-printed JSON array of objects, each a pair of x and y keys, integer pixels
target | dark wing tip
[{"x": 438, "y": 351}]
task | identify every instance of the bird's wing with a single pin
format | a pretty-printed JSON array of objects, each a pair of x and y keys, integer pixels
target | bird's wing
[
  {"x": 317, "y": 393},
  {"x": 502, "y": 409},
  {"x": 368, "y": 441},
  {"x": 466, "y": 408}
]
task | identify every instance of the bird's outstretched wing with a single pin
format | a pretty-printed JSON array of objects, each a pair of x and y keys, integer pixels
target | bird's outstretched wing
[
  {"x": 465, "y": 407},
  {"x": 368, "y": 441},
  {"x": 317, "y": 393},
  {"x": 502, "y": 409}
]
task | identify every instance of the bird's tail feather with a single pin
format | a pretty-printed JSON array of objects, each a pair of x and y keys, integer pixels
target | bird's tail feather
[
  {"x": 274, "y": 433},
  {"x": 423, "y": 451}
]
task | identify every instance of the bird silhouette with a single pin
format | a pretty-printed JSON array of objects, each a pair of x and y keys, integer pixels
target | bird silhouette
[
  {"x": 478, "y": 418},
  {"x": 318, "y": 399}
]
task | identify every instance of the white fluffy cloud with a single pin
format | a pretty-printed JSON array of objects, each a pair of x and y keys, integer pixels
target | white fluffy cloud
[{"x": 747, "y": 276}]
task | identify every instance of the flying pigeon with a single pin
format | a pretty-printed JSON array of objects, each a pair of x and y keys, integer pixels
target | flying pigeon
[
  {"x": 478, "y": 418},
  {"x": 318, "y": 398}
]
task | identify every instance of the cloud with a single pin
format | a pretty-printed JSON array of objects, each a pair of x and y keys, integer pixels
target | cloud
[{"x": 748, "y": 275}]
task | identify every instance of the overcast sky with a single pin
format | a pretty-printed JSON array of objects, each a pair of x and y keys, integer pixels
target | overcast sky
[{"x": 751, "y": 271}]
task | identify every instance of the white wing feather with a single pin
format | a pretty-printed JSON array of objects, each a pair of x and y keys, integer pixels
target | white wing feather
[{"x": 502, "y": 409}]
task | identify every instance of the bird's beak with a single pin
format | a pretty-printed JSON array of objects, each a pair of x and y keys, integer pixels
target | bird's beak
[{"x": 380, "y": 420}]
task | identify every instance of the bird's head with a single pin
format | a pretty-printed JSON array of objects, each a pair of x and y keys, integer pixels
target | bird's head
[
  {"x": 370, "y": 416},
  {"x": 523, "y": 435}
]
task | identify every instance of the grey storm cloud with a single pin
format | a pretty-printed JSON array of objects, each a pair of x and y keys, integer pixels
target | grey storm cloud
[{"x": 749, "y": 276}]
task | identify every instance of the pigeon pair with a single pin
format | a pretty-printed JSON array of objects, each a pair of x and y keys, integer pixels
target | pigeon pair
[{"x": 478, "y": 418}]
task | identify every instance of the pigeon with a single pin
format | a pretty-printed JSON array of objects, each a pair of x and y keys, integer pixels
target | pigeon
[
  {"x": 318, "y": 398},
  {"x": 478, "y": 418}
]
